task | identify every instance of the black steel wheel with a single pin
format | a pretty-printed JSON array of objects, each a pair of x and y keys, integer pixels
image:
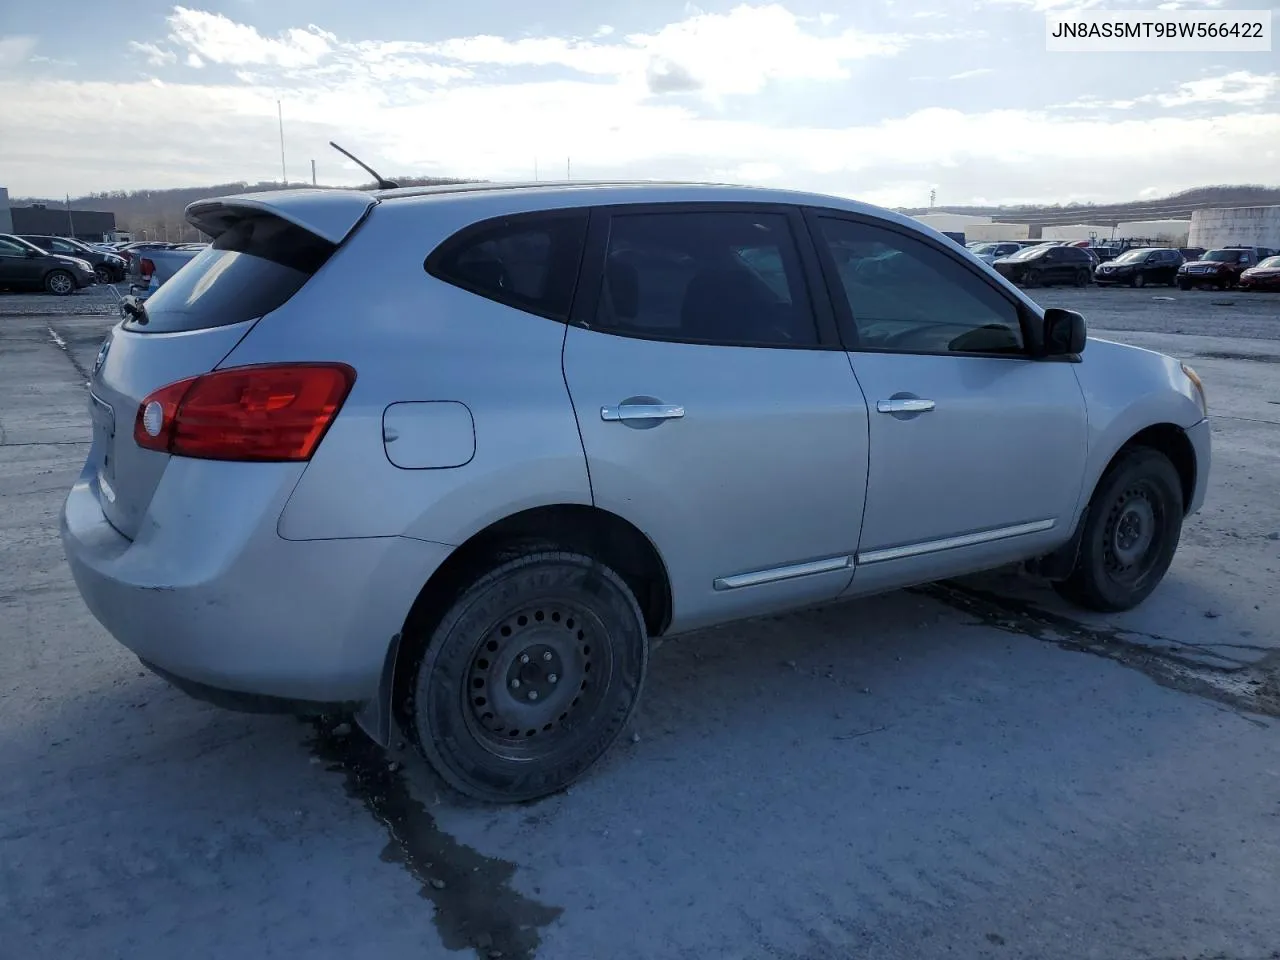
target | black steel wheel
[
  {"x": 530, "y": 677},
  {"x": 103, "y": 273},
  {"x": 1131, "y": 531}
]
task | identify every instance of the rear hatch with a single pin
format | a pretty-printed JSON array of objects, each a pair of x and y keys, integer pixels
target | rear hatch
[{"x": 265, "y": 249}]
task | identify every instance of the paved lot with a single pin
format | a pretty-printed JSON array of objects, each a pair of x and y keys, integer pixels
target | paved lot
[{"x": 968, "y": 770}]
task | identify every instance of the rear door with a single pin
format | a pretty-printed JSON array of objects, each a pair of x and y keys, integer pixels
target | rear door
[
  {"x": 717, "y": 411},
  {"x": 977, "y": 451},
  {"x": 257, "y": 262}
]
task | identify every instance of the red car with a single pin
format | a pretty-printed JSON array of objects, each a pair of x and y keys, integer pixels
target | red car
[{"x": 1265, "y": 276}]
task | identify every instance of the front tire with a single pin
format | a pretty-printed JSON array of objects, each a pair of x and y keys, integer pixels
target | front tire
[
  {"x": 60, "y": 283},
  {"x": 1139, "y": 280},
  {"x": 530, "y": 677},
  {"x": 1131, "y": 531}
]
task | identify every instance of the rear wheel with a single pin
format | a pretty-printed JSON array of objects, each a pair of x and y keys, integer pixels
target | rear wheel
[
  {"x": 60, "y": 283},
  {"x": 1082, "y": 278},
  {"x": 103, "y": 273},
  {"x": 530, "y": 677},
  {"x": 1131, "y": 530}
]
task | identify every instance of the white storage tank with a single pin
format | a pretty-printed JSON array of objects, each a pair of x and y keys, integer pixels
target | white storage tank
[{"x": 1231, "y": 226}]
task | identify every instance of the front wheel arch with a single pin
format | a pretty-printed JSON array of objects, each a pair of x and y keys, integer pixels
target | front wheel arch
[{"x": 1166, "y": 438}]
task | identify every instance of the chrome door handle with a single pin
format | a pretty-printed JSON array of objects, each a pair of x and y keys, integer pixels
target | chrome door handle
[
  {"x": 904, "y": 405},
  {"x": 642, "y": 411}
]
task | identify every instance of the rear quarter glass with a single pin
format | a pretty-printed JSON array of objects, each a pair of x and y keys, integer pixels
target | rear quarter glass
[{"x": 252, "y": 268}]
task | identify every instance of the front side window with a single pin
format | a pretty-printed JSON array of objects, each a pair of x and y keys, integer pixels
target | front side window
[
  {"x": 724, "y": 277},
  {"x": 905, "y": 295},
  {"x": 528, "y": 261},
  {"x": 61, "y": 246},
  {"x": 10, "y": 249}
]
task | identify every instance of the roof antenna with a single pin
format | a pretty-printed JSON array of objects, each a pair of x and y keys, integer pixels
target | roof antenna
[{"x": 383, "y": 183}]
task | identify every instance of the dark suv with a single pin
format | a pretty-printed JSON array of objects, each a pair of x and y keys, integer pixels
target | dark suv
[
  {"x": 108, "y": 267},
  {"x": 24, "y": 266},
  {"x": 1140, "y": 266},
  {"x": 1047, "y": 264},
  {"x": 1219, "y": 268}
]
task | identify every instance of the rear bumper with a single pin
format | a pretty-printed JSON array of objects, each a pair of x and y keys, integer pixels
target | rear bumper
[
  {"x": 229, "y": 606},
  {"x": 1199, "y": 435}
]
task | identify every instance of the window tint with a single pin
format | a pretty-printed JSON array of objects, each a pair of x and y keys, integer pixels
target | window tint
[
  {"x": 11, "y": 249},
  {"x": 726, "y": 277},
  {"x": 252, "y": 268},
  {"x": 529, "y": 262},
  {"x": 61, "y": 246},
  {"x": 907, "y": 295}
]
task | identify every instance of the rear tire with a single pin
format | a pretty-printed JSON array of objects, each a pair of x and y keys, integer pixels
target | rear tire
[
  {"x": 1130, "y": 534},
  {"x": 103, "y": 273},
  {"x": 1083, "y": 278},
  {"x": 530, "y": 677},
  {"x": 60, "y": 283}
]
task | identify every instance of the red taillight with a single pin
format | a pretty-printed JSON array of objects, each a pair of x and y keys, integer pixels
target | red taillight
[
  {"x": 266, "y": 412},
  {"x": 147, "y": 268}
]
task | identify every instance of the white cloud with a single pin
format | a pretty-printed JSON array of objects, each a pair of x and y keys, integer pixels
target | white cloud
[
  {"x": 218, "y": 39},
  {"x": 15, "y": 50},
  {"x": 1240, "y": 87},
  {"x": 193, "y": 60},
  {"x": 156, "y": 56},
  {"x": 976, "y": 72}
]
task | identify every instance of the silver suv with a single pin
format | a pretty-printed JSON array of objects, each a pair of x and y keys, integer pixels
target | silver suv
[{"x": 450, "y": 457}]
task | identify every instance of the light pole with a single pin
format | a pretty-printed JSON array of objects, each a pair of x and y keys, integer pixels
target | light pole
[{"x": 284, "y": 176}]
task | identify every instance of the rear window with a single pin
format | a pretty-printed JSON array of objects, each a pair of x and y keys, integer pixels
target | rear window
[
  {"x": 249, "y": 270},
  {"x": 527, "y": 261}
]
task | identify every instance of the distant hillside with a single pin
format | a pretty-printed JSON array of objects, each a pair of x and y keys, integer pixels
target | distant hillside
[
  {"x": 158, "y": 213},
  {"x": 1178, "y": 205}
]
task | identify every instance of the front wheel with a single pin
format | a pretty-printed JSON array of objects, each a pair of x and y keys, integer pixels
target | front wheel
[
  {"x": 1183, "y": 286},
  {"x": 60, "y": 283},
  {"x": 530, "y": 677},
  {"x": 1131, "y": 530},
  {"x": 1139, "y": 280}
]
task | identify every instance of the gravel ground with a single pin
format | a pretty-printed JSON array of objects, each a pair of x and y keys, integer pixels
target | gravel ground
[{"x": 967, "y": 770}]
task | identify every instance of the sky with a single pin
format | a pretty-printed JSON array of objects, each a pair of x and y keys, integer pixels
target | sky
[{"x": 880, "y": 100}]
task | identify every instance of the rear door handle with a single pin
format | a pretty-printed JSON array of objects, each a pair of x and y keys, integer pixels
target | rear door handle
[
  {"x": 642, "y": 411},
  {"x": 904, "y": 405}
]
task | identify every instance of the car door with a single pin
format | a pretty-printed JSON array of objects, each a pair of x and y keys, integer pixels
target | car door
[
  {"x": 977, "y": 450},
  {"x": 17, "y": 267},
  {"x": 717, "y": 409}
]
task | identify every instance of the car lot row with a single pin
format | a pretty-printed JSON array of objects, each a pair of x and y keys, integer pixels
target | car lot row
[{"x": 1057, "y": 262}]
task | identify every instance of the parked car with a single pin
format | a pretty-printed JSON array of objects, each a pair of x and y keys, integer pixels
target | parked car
[
  {"x": 1219, "y": 268},
  {"x": 1141, "y": 266},
  {"x": 108, "y": 267},
  {"x": 1046, "y": 264},
  {"x": 1191, "y": 253},
  {"x": 152, "y": 268},
  {"x": 991, "y": 252},
  {"x": 1265, "y": 276},
  {"x": 552, "y": 422},
  {"x": 24, "y": 266}
]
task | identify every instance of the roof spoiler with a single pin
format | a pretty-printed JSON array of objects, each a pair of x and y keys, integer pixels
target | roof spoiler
[{"x": 329, "y": 214}]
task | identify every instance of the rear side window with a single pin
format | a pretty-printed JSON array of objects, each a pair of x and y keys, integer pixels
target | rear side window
[
  {"x": 529, "y": 261},
  {"x": 252, "y": 268}
]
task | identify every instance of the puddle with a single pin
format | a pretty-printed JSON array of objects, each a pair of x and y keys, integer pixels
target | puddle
[
  {"x": 475, "y": 906},
  {"x": 1230, "y": 355},
  {"x": 1252, "y": 688}
]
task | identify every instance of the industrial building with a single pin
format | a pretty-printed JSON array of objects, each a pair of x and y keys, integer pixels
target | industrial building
[
  {"x": 1230, "y": 226},
  {"x": 44, "y": 220}
]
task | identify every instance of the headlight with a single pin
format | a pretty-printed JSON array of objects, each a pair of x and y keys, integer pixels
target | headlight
[{"x": 1199, "y": 385}]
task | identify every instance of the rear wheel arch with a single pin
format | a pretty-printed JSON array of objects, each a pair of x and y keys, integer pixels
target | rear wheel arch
[{"x": 576, "y": 528}]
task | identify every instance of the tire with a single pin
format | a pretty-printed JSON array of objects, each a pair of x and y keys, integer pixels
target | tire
[
  {"x": 1032, "y": 279},
  {"x": 1083, "y": 278},
  {"x": 587, "y": 650},
  {"x": 103, "y": 273},
  {"x": 1139, "y": 498},
  {"x": 60, "y": 283},
  {"x": 1139, "y": 280}
]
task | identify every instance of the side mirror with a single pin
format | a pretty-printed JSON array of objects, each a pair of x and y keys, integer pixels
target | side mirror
[{"x": 1063, "y": 332}]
